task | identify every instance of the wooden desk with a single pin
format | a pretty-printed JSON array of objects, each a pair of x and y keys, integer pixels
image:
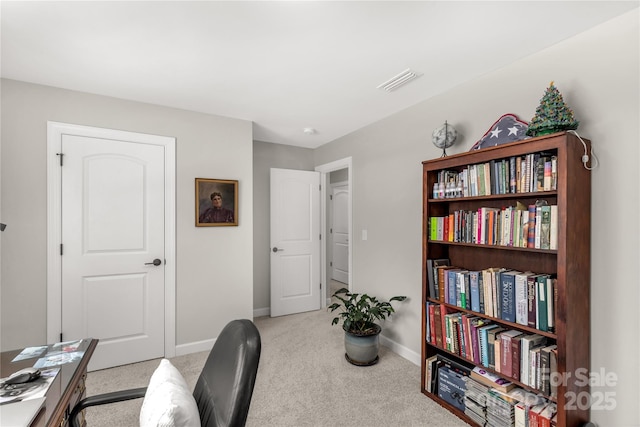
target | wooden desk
[{"x": 66, "y": 390}]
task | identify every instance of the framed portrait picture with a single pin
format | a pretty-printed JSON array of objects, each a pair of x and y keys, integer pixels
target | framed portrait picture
[{"x": 216, "y": 202}]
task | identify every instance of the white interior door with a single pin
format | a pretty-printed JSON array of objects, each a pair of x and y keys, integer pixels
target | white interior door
[
  {"x": 340, "y": 233},
  {"x": 112, "y": 231},
  {"x": 295, "y": 241}
]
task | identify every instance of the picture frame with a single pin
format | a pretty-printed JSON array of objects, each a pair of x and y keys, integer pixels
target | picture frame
[{"x": 216, "y": 202}]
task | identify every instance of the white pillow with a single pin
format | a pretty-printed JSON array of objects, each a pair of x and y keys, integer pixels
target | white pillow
[{"x": 168, "y": 401}]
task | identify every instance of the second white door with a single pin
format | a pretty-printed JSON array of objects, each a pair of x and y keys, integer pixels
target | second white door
[
  {"x": 340, "y": 234},
  {"x": 295, "y": 241}
]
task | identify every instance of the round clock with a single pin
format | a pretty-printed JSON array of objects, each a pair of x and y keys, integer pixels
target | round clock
[{"x": 444, "y": 137}]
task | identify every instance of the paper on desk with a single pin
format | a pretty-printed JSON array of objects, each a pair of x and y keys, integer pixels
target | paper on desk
[
  {"x": 55, "y": 358},
  {"x": 30, "y": 352},
  {"x": 31, "y": 390},
  {"x": 66, "y": 346}
]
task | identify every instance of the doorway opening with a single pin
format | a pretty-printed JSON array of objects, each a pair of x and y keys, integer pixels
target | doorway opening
[{"x": 344, "y": 166}]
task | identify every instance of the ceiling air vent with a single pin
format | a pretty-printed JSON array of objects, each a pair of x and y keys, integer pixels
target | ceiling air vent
[{"x": 400, "y": 80}]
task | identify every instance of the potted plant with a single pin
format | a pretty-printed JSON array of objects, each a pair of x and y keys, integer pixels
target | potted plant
[{"x": 359, "y": 313}]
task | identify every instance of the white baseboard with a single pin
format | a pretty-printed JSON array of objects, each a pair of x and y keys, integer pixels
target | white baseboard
[
  {"x": 261, "y": 312},
  {"x": 207, "y": 345},
  {"x": 400, "y": 350},
  {"x": 195, "y": 347}
]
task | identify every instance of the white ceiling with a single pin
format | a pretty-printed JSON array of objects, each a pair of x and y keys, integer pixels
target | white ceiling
[{"x": 287, "y": 65}]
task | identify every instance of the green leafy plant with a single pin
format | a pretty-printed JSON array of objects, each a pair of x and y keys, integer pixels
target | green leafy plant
[{"x": 359, "y": 311}]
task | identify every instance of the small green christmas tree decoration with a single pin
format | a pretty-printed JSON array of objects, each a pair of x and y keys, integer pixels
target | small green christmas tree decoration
[{"x": 552, "y": 115}]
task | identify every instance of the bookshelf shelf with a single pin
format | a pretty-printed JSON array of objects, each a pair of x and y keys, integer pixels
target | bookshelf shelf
[
  {"x": 503, "y": 322},
  {"x": 499, "y": 247},
  {"x": 507, "y": 196},
  {"x": 563, "y": 271}
]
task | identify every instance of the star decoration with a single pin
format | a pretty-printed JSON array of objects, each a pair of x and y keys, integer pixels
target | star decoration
[
  {"x": 496, "y": 132},
  {"x": 513, "y": 130}
]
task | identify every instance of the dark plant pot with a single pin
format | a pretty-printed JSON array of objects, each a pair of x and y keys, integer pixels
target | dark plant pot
[{"x": 362, "y": 349}]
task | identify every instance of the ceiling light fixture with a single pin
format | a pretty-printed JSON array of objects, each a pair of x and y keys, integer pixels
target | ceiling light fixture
[
  {"x": 400, "y": 80},
  {"x": 309, "y": 131}
]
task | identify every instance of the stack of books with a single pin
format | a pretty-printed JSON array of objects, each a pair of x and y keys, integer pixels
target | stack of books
[
  {"x": 500, "y": 409},
  {"x": 475, "y": 399}
]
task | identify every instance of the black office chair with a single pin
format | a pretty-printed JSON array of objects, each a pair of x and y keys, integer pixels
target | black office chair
[{"x": 225, "y": 386}]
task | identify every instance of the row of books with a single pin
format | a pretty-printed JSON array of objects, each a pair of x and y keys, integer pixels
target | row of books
[
  {"x": 524, "y": 357},
  {"x": 532, "y": 226},
  {"x": 525, "y": 298},
  {"x": 517, "y": 174},
  {"x": 483, "y": 397}
]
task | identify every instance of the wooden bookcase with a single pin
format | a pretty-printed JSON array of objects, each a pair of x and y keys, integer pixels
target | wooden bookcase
[{"x": 570, "y": 262}]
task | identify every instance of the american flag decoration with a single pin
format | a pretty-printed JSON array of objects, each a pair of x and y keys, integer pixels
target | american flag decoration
[{"x": 508, "y": 128}]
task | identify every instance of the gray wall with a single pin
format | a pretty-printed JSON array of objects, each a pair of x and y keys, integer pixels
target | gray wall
[
  {"x": 597, "y": 72},
  {"x": 214, "y": 279},
  {"x": 265, "y": 157}
]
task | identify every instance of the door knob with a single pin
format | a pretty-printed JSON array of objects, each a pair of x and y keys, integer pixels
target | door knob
[
  {"x": 276, "y": 250},
  {"x": 155, "y": 262}
]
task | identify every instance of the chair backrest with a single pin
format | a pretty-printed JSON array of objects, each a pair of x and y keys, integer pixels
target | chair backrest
[{"x": 225, "y": 386}]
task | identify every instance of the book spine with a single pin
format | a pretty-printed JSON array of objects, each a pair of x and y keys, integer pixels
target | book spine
[
  {"x": 531, "y": 381},
  {"x": 430, "y": 279},
  {"x": 448, "y": 333},
  {"x": 553, "y": 228},
  {"x": 519, "y": 415},
  {"x": 532, "y": 312},
  {"x": 467, "y": 290},
  {"x": 461, "y": 296},
  {"x": 486, "y": 284},
  {"x": 451, "y": 229},
  {"x": 551, "y": 304},
  {"x": 433, "y": 228},
  {"x": 481, "y": 181},
  {"x": 538, "y": 227},
  {"x": 547, "y": 175},
  {"x": 474, "y": 344},
  {"x": 512, "y": 175},
  {"x": 432, "y": 322},
  {"x": 451, "y": 284},
  {"x": 487, "y": 177},
  {"x": 507, "y": 293},
  {"x": 540, "y": 173},
  {"x": 437, "y": 324},
  {"x": 545, "y": 364},
  {"x": 518, "y": 174},
  {"x": 497, "y": 296},
  {"x": 521, "y": 299},
  {"x": 475, "y": 291},
  {"x": 553, "y": 356},
  {"x": 484, "y": 356},
  {"x": 525, "y": 345},
  {"x": 505, "y": 355},
  {"x": 468, "y": 346},
  {"x": 542, "y": 303},
  {"x": 545, "y": 227},
  {"x": 441, "y": 288},
  {"x": 481, "y": 304},
  {"x": 491, "y": 343},
  {"x": 531, "y": 229},
  {"x": 497, "y": 349},
  {"x": 459, "y": 336},
  {"x": 515, "y": 358},
  {"x": 554, "y": 173},
  {"x": 493, "y": 168}
]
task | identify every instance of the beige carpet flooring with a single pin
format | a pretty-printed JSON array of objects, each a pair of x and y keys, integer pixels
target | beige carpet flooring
[{"x": 303, "y": 380}]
